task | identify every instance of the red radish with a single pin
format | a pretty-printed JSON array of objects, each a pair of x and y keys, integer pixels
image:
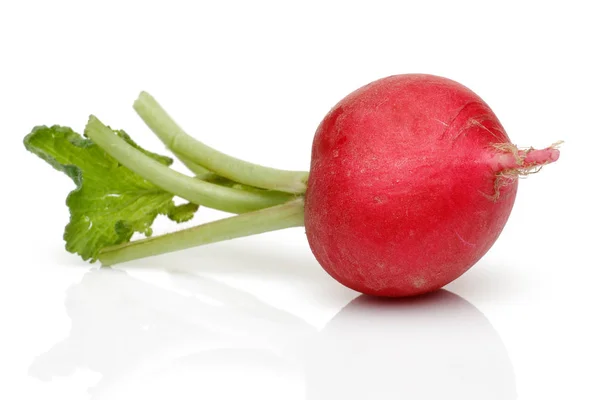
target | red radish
[{"x": 412, "y": 179}]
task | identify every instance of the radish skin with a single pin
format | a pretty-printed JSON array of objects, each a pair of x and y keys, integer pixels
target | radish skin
[{"x": 412, "y": 180}]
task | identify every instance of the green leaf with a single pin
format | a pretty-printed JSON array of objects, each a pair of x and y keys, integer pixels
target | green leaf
[
  {"x": 110, "y": 202},
  {"x": 183, "y": 212}
]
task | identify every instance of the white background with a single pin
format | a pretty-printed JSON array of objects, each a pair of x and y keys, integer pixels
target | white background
[{"x": 257, "y": 318}]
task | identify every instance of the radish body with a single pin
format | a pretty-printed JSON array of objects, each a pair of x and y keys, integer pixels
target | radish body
[{"x": 412, "y": 180}]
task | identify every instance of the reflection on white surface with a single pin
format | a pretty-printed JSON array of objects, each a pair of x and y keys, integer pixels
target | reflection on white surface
[
  {"x": 432, "y": 347},
  {"x": 137, "y": 335},
  {"x": 206, "y": 338}
]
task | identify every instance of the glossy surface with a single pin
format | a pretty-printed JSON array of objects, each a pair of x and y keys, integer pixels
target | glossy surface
[{"x": 147, "y": 337}]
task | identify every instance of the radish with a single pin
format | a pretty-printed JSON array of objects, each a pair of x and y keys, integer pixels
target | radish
[{"x": 412, "y": 179}]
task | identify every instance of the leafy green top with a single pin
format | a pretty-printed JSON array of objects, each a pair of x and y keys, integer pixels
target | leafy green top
[{"x": 110, "y": 202}]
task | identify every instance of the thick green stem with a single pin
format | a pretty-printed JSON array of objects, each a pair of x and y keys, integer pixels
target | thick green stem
[
  {"x": 269, "y": 219},
  {"x": 208, "y": 176},
  {"x": 198, "y": 170},
  {"x": 191, "y": 189},
  {"x": 232, "y": 168}
]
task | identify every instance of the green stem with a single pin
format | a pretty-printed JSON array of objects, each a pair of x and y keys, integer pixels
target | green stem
[
  {"x": 198, "y": 170},
  {"x": 208, "y": 176},
  {"x": 191, "y": 189},
  {"x": 269, "y": 219},
  {"x": 235, "y": 169}
]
